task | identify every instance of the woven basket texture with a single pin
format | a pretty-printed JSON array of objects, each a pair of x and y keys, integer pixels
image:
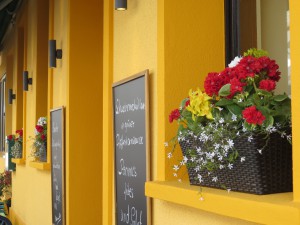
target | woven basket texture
[{"x": 266, "y": 173}]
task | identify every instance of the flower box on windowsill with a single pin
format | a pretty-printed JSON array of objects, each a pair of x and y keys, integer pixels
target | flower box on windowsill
[
  {"x": 40, "y": 165},
  {"x": 20, "y": 161}
]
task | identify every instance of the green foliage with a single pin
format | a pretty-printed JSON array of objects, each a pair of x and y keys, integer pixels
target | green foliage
[{"x": 255, "y": 52}]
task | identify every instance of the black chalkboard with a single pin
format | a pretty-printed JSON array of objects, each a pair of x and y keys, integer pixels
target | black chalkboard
[
  {"x": 131, "y": 144},
  {"x": 57, "y": 166}
]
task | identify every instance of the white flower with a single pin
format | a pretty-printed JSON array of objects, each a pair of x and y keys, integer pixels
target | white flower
[
  {"x": 198, "y": 150},
  {"x": 200, "y": 178},
  {"x": 243, "y": 159},
  {"x": 289, "y": 137},
  {"x": 228, "y": 190},
  {"x": 201, "y": 198},
  {"x": 240, "y": 100},
  {"x": 221, "y": 167},
  {"x": 217, "y": 146},
  {"x": 193, "y": 159},
  {"x": 238, "y": 133},
  {"x": 215, "y": 179},
  {"x": 170, "y": 155},
  {"x": 179, "y": 180},
  {"x": 166, "y": 144},
  {"x": 234, "y": 62},
  {"x": 233, "y": 117},
  {"x": 230, "y": 143},
  {"x": 182, "y": 163},
  {"x": 250, "y": 138},
  {"x": 197, "y": 168},
  {"x": 176, "y": 167},
  {"x": 175, "y": 174},
  {"x": 221, "y": 120},
  {"x": 185, "y": 159},
  {"x": 259, "y": 151},
  {"x": 230, "y": 166}
]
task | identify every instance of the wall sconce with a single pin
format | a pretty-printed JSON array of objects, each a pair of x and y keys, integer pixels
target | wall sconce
[
  {"x": 11, "y": 96},
  {"x": 54, "y": 53},
  {"x": 120, "y": 5},
  {"x": 26, "y": 81}
]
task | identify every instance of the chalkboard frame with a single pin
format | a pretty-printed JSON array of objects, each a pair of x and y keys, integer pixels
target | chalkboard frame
[
  {"x": 144, "y": 73},
  {"x": 62, "y": 109}
]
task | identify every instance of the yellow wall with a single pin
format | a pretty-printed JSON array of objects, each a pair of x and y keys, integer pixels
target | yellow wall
[
  {"x": 31, "y": 187},
  {"x": 178, "y": 56},
  {"x": 295, "y": 58},
  {"x": 178, "y": 42}
]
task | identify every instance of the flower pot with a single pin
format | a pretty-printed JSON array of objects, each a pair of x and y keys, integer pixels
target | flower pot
[
  {"x": 43, "y": 153},
  {"x": 261, "y": 173}
]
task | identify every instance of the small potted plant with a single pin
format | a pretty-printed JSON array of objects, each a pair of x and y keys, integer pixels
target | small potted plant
[
  {"x": 17, "y": 140},
  {"x": 237, "y": 133},
  {"x": 5, "y": 185},
  {"x": 39, "y": 150}
]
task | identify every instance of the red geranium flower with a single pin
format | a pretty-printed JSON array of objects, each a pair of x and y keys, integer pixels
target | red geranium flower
[
  {"x": 20, "y": 132},
  {"x": 9, "y": 137},
  {"x": 174, "y": 115},
  {"x": 213, "y": 83},
  {"x": 43, "y": 137},
  {"x": 187, "y": 103},
  {"x": 236, "y": 86},
  {"x": 253, "y": 116},
  {"x": 39, "y": 128},
  {"x": 268, "y": 85}
]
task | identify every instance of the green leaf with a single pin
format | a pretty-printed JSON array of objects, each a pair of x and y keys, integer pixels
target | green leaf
[
  {"x": 234, "y": 109},
  {"x": 264, "y": 92},
  {"x": 223, "y": 102},
  {"x": 225, "y": 90},
  {"x": 269, "y": 121},
  {"x": 183, "y": 102},
  {"x": 280, "y": 98}
]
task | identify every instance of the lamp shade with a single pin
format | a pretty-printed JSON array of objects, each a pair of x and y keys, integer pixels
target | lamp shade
[
  {"x": 26, "y": 80},
  {"x": 11, "y": 96},
  {"x": 120, "y": 4}
]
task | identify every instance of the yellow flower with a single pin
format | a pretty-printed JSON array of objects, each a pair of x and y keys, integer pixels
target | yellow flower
[{"x": 199, "y": 104}]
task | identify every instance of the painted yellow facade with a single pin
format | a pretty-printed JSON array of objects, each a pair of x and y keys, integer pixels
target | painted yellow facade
[{"x": 179, "y": 42}]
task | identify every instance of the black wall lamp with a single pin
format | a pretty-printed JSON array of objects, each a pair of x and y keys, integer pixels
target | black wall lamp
[
  {"x": 26, "y": 81},
  {"x": 54, "y": 53},
  {"x": 120, "y": 5},
  {"x": 11, "y": 96}
]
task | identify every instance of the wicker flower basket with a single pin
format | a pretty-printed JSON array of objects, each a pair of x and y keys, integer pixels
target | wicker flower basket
[{"x": 265, "y": 173}]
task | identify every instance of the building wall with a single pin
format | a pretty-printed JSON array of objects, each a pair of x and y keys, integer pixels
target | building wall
[
  {"x": 154, "y": 35},
  {"x": 179, "y": 43}
]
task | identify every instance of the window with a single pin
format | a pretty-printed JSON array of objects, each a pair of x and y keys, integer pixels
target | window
[
  {"x": 2, "y": 113},
  {"x": 262, "y": 24}
]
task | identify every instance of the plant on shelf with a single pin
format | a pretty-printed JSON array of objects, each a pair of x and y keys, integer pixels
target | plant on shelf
[
  {"x": 17, "y": 141},
  {"x": 39, "y": 150},
  {"x": 5, "y": 185},
  {"x": 238, "y": 106}
]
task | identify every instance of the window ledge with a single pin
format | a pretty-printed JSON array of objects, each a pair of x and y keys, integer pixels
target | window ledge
[
  {"x": 264, "y": 209},
  {"x": 40, "y": 165},
  {"x": 21, "y": 161}
]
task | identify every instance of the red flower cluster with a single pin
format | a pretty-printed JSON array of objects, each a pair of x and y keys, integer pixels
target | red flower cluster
[
  {"x": 174, "y": 115},
  {"x": 268, "y": 85},
  {"x": 253, "y": 116},
  {"x": 39, "y": 128},
  {"x": 10, "y": 137},
  {"x": 248, "y": 66},
  {"x": 20, "y": 132}
]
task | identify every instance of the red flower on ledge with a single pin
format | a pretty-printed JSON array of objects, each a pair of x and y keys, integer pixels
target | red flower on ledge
[{"x": 253, "y": 116}]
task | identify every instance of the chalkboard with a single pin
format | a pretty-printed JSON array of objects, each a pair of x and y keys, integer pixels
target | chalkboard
[
  {"x": 57, "y": 166},
  {"x": 131, "y": 144}
]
